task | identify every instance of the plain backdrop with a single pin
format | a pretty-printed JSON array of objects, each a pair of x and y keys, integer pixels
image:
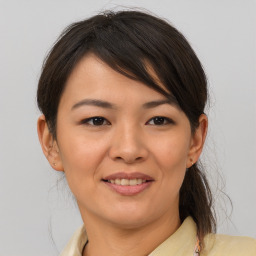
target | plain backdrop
[{"x": 38, "y": 214}]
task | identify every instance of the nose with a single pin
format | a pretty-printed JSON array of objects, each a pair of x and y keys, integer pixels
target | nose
[{"x": 128, "y": 145}]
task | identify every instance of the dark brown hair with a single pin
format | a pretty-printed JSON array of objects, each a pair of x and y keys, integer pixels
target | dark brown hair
[{"x": 127, "y": 41}]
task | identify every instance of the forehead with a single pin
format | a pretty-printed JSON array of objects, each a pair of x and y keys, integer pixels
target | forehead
[{"x": 92, "y": 77}]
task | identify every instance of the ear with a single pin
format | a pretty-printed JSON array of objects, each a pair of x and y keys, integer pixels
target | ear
[
  {"x": 49, "y": 144},
  {"x": 197, "y": 141}
]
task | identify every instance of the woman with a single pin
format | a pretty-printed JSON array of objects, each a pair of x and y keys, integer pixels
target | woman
[{"x": 123, "y": 96}]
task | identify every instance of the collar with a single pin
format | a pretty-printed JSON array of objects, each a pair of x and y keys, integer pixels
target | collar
[{"x": 182, "y": 242}]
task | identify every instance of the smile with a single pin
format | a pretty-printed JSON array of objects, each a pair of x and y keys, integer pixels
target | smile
[{"x": 127, "y": 182}]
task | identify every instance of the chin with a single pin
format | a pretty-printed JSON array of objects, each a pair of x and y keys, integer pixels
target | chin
[
  {"x": 130, "y": 223},
  {"x": 128, "y": 219}
]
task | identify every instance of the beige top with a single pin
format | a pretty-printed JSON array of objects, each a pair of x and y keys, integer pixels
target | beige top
[{"x": 181, "y": 243}]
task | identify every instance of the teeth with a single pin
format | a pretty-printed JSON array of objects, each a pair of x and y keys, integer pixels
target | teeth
[
  {"x": 139, "y": 181},
  {"x": 117, "y": 181},
  {"x": 124, "y": 182},
  {"x": 133, "y": 182},
  {"x": 127, "y": 182}
]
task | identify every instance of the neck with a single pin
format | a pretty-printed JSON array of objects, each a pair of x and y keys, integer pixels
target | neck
[{"x": 109, "y": 240}]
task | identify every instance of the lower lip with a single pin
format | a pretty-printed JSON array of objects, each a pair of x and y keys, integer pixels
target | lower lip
[{"x": 129, "y": 190}]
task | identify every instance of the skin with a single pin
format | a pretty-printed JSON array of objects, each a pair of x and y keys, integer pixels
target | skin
[{"x": 128, "y": 140}]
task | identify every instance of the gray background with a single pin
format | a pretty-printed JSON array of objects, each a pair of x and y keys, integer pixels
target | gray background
[{"x": 33, "y": 208}]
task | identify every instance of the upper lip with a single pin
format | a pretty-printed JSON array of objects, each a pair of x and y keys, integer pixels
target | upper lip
[{"x": 130, "y": 175}]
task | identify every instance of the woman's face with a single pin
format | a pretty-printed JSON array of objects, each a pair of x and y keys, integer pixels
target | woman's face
[{"x": 112, "y": 130}]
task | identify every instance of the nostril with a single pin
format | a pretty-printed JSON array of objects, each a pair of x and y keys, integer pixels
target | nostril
[{"x": 128, "y": 154}]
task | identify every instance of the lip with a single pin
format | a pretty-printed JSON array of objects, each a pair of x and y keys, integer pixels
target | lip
[
  {"x": 128, "y": 190},
  {"x": 125, "y": 175}
]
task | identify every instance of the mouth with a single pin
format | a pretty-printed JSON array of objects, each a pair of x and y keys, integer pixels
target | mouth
[{"x": 128, "y": 184}]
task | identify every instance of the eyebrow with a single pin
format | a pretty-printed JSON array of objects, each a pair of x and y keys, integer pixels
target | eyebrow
[
  {"x": 156, "y": 103},
  {"x": 108, "y": 105}
]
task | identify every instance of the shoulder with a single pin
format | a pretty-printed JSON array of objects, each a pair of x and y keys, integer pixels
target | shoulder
[{"x": 216, "y": 245}]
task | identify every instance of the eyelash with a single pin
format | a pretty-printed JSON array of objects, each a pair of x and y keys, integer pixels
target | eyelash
[{"x": 86, "y": 121}]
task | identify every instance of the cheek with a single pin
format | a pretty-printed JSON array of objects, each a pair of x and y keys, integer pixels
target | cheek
[
  {"x": 171, "y": 152},
  {"x": 81, "y": 158},
  {"x": 79, "y": 149},
  {"x": 171, "y": 157}
]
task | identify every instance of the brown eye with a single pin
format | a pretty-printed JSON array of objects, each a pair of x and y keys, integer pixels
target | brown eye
[
  {"x": 160, "y": 120},
  {"x": 95, "y": 121}
]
